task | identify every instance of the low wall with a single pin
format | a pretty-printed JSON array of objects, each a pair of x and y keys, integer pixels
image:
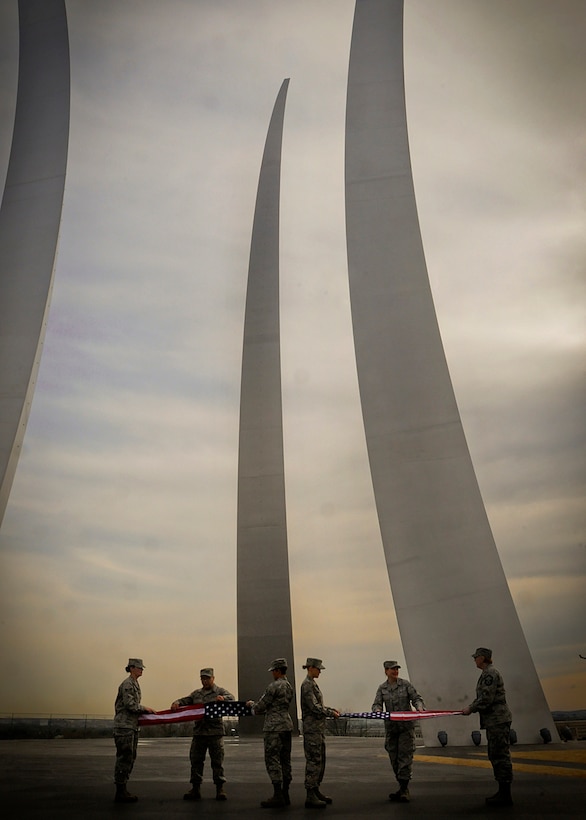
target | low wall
[{"x": 90, "y": 726}]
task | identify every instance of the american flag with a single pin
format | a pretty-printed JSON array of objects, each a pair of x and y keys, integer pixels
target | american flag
[
  {"x": 398, "y": 715},
  {"x": 198, "y": 711},
  {"x": 238, "y": 708},
  {"x": 180, "y": 715}
]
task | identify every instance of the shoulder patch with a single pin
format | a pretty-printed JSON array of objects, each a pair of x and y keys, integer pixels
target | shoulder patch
[{"x": 488, "y": 680}]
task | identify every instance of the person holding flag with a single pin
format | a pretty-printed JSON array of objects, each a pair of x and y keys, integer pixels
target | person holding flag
[
  {"x": 208, "y": 736},
  {"x": 277, "y": 732},
  {"x": 495, "y": 717},
  {"x": 397, "y": 695},
  {"x": 128, "y": 709},
  {"x": 314, "y": 714}
]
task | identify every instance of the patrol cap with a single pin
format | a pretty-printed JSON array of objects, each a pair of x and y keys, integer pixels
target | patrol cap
[
  {"x": 482, "y": 650},
  {"x": 206, "y": 672},
  {"x": 278, "y": 663},
  {"x": 136, "y": 662},
  {"x": 313, "y": 662},
  {"x": 391, "y": 665}
]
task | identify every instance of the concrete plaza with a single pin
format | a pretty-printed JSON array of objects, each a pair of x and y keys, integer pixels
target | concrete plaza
[{"x": 73, "y": 779}]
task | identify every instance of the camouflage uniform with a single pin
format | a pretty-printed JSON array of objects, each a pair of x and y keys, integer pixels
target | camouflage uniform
[
  {"x": 127, "y": 711},
  {"x": 398, "y": 696},
  {"x": 495, "y": 717},
  {"x": 208, "y": 736},
  {"x": 278, "y": 727},
  {"x": 314, "y": 714}
]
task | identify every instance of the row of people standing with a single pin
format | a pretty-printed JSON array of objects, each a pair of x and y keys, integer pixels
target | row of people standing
[
  {"x": 208, "y": 733},
  {"x": 393, "y": 695},
  {"x": 398, "y": 695},
  {"x": 274, "y": 703}
]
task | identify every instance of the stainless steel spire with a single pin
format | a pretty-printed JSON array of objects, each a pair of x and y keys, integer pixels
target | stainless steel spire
[
  {"x": 448, "y": 585},
  {"x": 30, "y": 217},
  {"x": 264, "y": 604}
]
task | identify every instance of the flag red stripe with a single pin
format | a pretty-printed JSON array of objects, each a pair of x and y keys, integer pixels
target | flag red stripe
[{"x": 180, "y": 715}]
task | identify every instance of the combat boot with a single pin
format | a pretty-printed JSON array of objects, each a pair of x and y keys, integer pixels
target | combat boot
[
  {"x": 323, "y": 797},
  {"x": 312, "y": 801},
  {"x": 220, "y": 793},
  {"x": 286, "y": 797},
  {"x": 502, "y": 797},
  {"x": 123, "y": 795},
  {"x": 277, "y": 800},
  {"x": 193, "y": 794},
  {"x": 395, "y": 795},
  {"x": 403, "y": 791}
]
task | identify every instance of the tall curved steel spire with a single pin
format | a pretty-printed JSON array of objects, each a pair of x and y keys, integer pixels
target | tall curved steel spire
[
  {"x": 264, "y": 601},
  {"x": 448, "y": 585},
  {"x": 30, "y": 216}
]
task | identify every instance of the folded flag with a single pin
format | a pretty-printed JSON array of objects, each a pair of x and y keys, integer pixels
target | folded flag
[
  {"x": 399, "y": 715},
  {"x": 198, "y": 711}
]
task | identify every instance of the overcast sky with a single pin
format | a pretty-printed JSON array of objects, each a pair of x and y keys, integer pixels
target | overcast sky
[{"x": 120, "y": 534}]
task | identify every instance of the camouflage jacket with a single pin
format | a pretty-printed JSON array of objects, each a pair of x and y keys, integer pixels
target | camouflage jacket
[
  {"x": 127, "y": 705},
  {"x": 313, "y": 711},
  {"x": 274, "y": 705},
  {"x": 207, "y": 726},
  {"x": 397, "y": 697},
  {"x": 490, "y": 702}
]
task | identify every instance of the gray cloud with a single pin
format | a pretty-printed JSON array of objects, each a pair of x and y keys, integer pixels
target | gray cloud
[{"x": 123, "y": 511}]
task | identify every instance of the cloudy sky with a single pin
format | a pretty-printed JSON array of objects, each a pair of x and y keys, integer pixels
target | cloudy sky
[{"x": 120, "y": 534}]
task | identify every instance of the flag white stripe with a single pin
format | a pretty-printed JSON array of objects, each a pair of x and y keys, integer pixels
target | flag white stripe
[{"x": 181, "y": 715}]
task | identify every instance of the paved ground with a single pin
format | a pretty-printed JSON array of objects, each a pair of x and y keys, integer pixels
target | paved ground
[{"x": 72, "y": 779}]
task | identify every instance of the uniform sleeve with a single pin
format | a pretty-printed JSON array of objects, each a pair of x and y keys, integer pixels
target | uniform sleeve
[
  {"x": 226, "y": 695},
  {"x": 378, "y": 704},
  {"x": 262, "y": 704},
  {"x": 311, "y": 704},
  {"x": 131, "y": 698},
  {"x": 485, "y": 693},
  {"x": 188, "y": 700}
]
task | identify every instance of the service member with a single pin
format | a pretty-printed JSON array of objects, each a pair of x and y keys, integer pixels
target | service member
[
  {"x": 277, "y": 730},
  {"x": 398, "y": 695},
  {"x": 208, "y": 736},
  {"x": 495, "y": 717},
  {"x": 127, "y": 709},
  {"x": 314, "y": 714}
]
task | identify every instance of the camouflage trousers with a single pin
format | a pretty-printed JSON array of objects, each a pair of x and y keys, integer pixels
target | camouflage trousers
[
  {"x": 214, "y": 744},
  {"x": 498, "y": 739},
  {"x": 400, "y": 746},
  {"x": 126, "y": 741},
  {"x": 278, "y": 756},
  {"x": 314, "y": 746}
]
